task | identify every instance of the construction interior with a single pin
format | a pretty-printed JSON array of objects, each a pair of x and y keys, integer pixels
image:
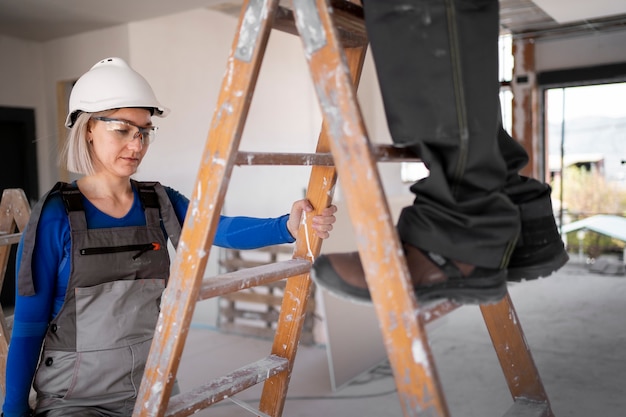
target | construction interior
[{"x": 431, "y": 364}]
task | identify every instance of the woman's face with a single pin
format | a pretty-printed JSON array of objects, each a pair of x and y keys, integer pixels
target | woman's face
[{"x": 119, "y": 141}]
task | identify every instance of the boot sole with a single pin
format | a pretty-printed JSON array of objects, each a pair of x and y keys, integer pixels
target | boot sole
[
  {"x": 464, "y": 291},
  {"x": 542, "y": 270},
  {"x": 324, "y": 275},
  {"x": 486, "y": 290}
]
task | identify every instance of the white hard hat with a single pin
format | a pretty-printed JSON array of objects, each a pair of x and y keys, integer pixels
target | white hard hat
[{"x": 111, "y": 84}]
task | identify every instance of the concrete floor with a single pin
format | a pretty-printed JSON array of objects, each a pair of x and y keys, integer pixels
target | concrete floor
[{"x": 574, "y": 322}]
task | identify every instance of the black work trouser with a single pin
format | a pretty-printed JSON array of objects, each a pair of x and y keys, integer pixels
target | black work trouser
[{"x": 437, "y": 66}]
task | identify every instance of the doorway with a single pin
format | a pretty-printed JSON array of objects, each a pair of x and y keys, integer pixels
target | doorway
[{"x": 18, "y": 169}]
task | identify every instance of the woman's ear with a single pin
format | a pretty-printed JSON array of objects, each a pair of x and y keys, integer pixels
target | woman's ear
[{"x": 89, "y": 138}]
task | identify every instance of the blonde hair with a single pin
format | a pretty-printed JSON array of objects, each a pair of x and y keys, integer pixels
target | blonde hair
[{"x": 77, "y": 154}]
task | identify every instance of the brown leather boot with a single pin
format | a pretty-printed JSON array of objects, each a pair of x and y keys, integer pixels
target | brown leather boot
[{"x": 433, "y": 277}]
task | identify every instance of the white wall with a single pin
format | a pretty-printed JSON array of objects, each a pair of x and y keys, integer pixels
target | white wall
[
  {"x": 22, "y": 81},
  {"x": 21, "y": 72},
  {"x": 185, "y": 68}
]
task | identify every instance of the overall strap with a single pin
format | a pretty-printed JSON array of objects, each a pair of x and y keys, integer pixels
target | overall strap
[
  {"x": 149, "y": 202},
  {"x": 73, "y": 201},
  {"x": 158, "y": 208},
  {"x": 25, "y": 284}
]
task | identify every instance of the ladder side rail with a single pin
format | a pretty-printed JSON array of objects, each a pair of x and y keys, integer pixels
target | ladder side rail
[
  {"x": 513, "y": 352},
  {"x": 298, "y": 289},
  {"x": 205, "y": 205},
  {"x": 14, "y": 213},
  {"x": 386, "y": 271}
]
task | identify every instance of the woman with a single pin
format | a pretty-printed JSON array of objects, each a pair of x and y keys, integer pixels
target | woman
[{"x": 93, "y": 260}]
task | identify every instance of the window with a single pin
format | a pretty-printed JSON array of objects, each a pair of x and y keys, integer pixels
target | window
[{"x": 585, "y": 128}]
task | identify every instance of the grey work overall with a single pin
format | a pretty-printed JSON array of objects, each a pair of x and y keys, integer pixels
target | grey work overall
[{"x": 95, "y": 349}]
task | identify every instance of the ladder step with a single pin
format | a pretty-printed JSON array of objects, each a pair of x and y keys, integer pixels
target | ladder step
[
  {"x": 525, "y": 408},
  {"x": 10, "y": 239},
  {"x": 191, "y": 402},
  {"x": 382, "y": 153},
  {"x": 252, "y": 277}
]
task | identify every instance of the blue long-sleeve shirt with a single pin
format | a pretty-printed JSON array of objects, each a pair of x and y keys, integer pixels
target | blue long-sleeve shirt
[{"x": 51, "y": 271}]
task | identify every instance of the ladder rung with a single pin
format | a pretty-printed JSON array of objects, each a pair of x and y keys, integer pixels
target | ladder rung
[
  {"x": 10, "y": 239},
  {"x": 191, "y": 402},
  {"x": 252, "y": 277},
  {"x": 273, "y": 285},
  {"x": 347, "y": 16},
  {"x": 382, "y": 153},
  {"x": 526, "y": 408}
]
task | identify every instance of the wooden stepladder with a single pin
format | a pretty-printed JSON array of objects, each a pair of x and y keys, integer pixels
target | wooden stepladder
[
  {"x": 335, "y": 44},
  {"x": 14, "y": 214}
]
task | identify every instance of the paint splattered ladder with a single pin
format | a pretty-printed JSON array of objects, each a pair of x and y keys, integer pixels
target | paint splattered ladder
[
  {"x": 14, "y": 214},
  {"x": 335, "y": 69}
]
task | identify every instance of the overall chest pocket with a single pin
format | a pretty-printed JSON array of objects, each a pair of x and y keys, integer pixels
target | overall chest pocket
[
  {"x": 138, "y": 249},
  {"x": 117, "y": 314}
]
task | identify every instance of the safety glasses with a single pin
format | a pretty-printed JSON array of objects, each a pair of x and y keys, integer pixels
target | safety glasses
[{"x": 126, "y": 131}]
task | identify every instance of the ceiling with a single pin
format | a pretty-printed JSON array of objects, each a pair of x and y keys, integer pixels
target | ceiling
[
  {"x": 43, "y": 20},
  {"x": 552, "y": 18}
]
